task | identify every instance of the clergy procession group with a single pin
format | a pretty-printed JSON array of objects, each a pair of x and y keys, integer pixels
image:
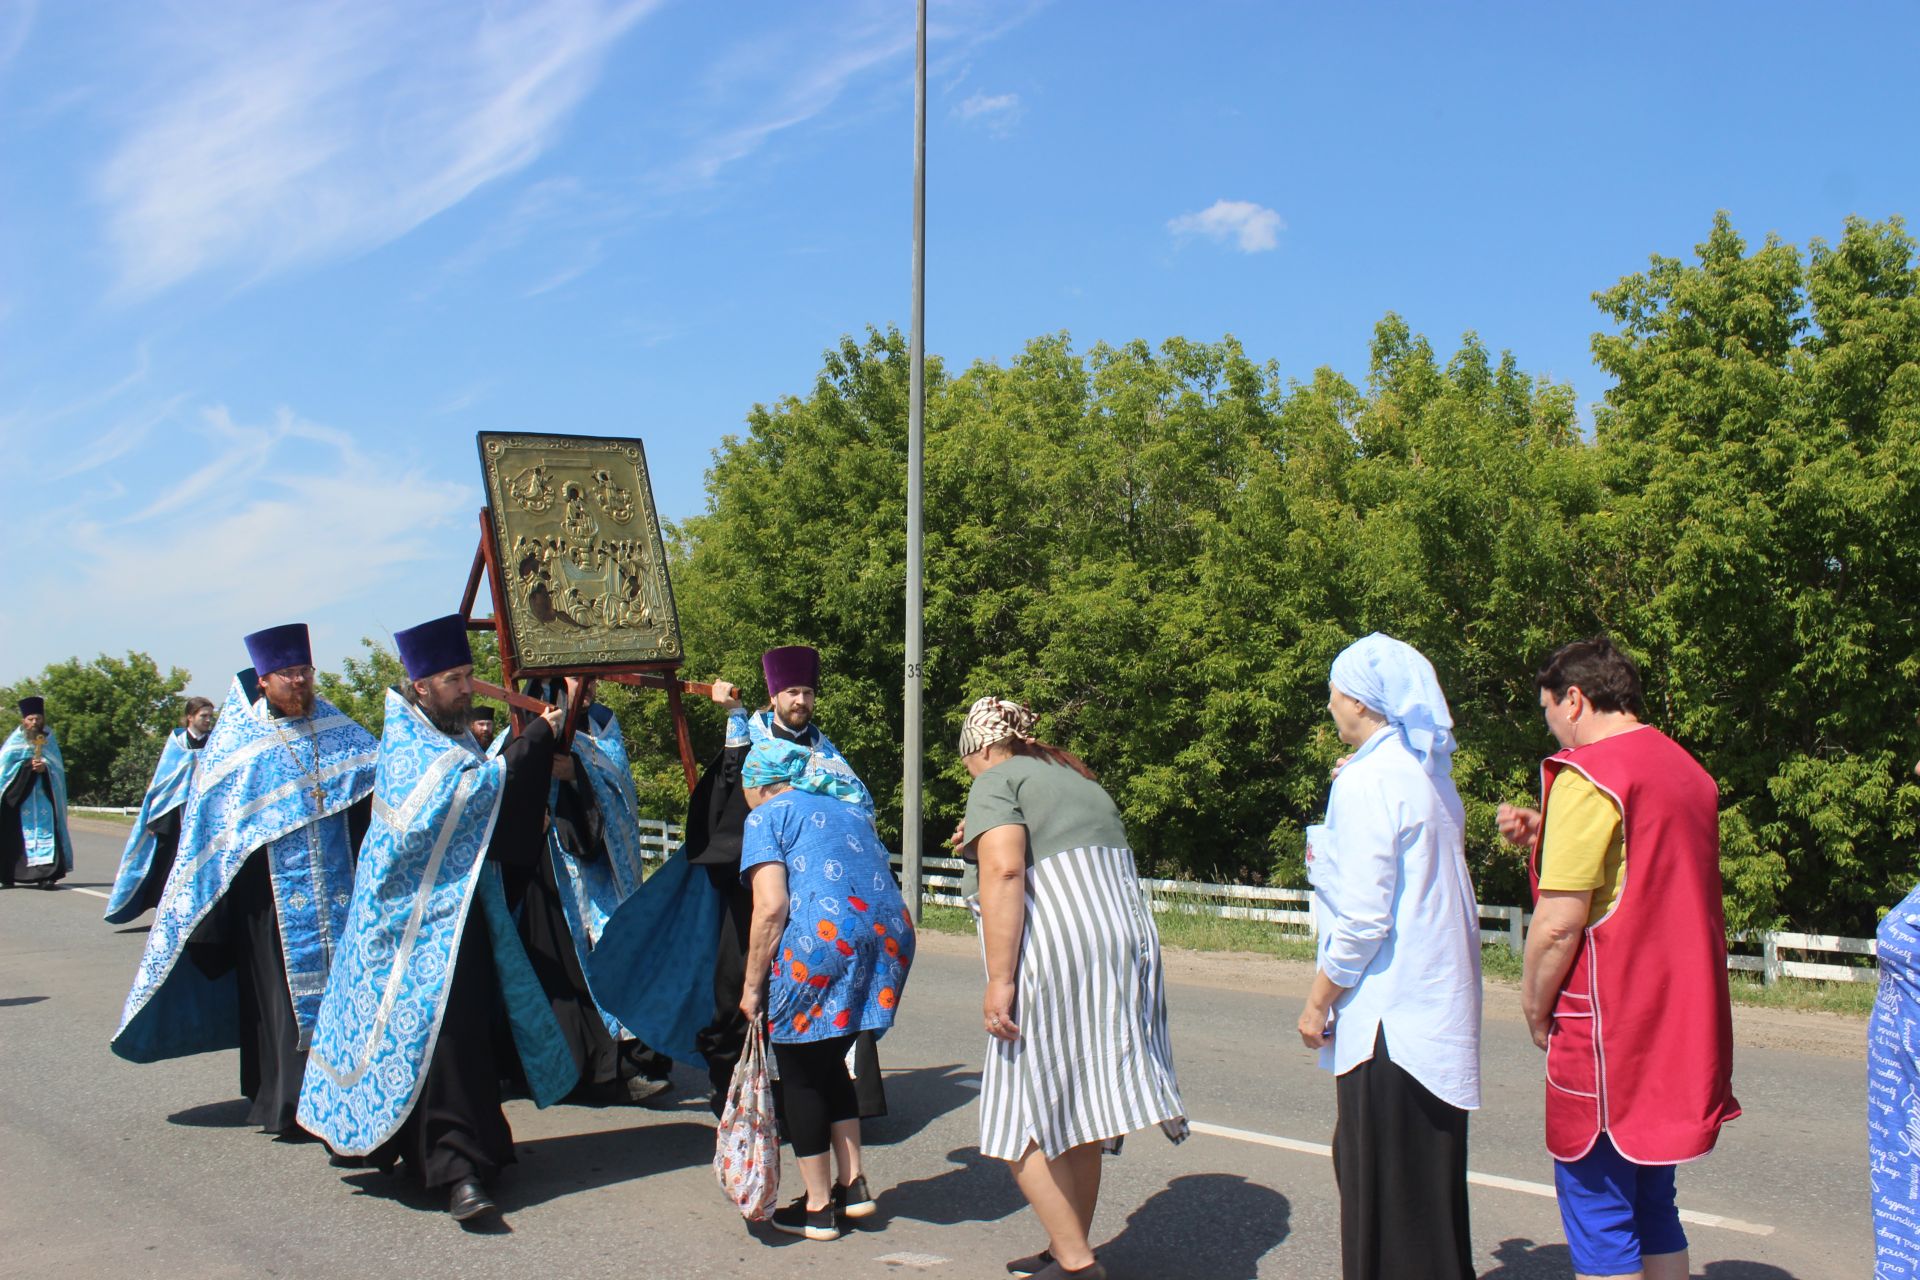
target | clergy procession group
[{"x": 398, "y": 933}]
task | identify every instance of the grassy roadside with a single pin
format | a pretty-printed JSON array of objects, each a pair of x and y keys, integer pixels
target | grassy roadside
[
  {"x": 115, "y": 819},
  {"x": 1210, "y": 933}
]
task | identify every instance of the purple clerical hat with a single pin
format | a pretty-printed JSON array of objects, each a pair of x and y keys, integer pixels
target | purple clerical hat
[
  {"x": 278, "y": 648},
  {"x": 433, "y": 647},
  {"x": 790, "y": 667},
  {"x": 33, "y": 705}
]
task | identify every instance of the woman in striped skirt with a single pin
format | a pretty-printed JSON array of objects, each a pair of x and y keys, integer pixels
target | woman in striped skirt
[{"x": 1076, "y": 1005}]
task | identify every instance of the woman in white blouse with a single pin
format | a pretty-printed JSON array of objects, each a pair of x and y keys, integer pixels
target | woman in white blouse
[{"x": 1395, "y": 1006}]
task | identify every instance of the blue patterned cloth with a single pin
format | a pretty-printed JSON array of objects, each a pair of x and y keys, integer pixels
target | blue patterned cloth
[
  {"x": 422, "y": 866},
  {"x": 172, "y": 778},
  {"x": 843, "y": 958},
  {"x": 827, "y": 773},
  {"x": 590, "y": 892},
  {"x": 261, "y": 783},
  {"x": 1893, "y": 1095},
  {"x": 43, "y": 820}
]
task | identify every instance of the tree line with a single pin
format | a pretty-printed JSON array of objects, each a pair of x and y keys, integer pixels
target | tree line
[{"x": 1161, "y": 549}]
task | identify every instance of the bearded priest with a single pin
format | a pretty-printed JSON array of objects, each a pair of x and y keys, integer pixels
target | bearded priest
[
  {"x": 404, "y": 1062},
  {"x": 261, "y": 882}
]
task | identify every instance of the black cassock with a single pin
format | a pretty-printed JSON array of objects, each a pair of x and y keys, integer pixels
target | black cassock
[
  {"x": 13, "y": 841},
  {"x": 242, "y": 933},
  {"x": 456, "y": 1129},
  {"x": 716, "y": 823},
  {"x": 606, "y": 1066}
]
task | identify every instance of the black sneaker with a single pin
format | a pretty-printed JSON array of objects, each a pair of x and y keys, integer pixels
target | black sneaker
[
  {"x": 854, "y": 1200},
  {"x": 1023, "y": 1267},
  {"x": 797, "y": 1220}
]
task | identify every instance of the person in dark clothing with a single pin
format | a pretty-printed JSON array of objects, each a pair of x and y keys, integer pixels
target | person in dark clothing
[
  {"x": 34, "y": 845},
  {"x": 716, "y": 819}
]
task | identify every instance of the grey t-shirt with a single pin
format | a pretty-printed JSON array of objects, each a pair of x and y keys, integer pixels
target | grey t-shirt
[{"x": 1060, "y": 810}]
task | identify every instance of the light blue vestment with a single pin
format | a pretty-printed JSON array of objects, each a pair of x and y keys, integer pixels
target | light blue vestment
[
  {"x": 422, "y": 866},
  {"x": 172, "y": 778},
  {"x": 262, "y": 783},
  {"x": 43, "y": 822},
  {"x": 591, "y": 891},
  {"x": 1893, "y": 1096}
]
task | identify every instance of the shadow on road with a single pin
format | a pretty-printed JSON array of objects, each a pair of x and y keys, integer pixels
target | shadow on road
[
  {"x": 1213, "y": 1224},
  {"x": 980, "y": 1190},
  {"x": 916, "y": 1098},
  {"x": 1522, "y": 1259},
  {"x": 551, "y": 1168},
  {"x": 231, "y": 1114},
  {"x": 14, "y": 1002},
  {"x": 136, "y": 928}
]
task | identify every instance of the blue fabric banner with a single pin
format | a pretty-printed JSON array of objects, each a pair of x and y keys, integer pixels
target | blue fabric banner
[
  {"x": 422, "y": 865},
  {"x": 261, "y": 783},
  {"x": 43, "y": 822},
  {"x": 172, "y": 778}
]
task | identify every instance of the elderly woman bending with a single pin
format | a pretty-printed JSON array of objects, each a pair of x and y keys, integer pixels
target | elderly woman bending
[
  {"x": 827, "y": 958},
  {"x": 1395, "y": 1005},
  {"x": 1075, "y": 1008}
]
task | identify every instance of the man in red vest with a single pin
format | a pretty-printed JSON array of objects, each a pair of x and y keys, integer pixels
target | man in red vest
[{"x": 1625, "y": 982}]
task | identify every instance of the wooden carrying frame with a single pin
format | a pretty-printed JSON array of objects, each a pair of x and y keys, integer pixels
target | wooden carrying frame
[{"x": 643, "y": 675}]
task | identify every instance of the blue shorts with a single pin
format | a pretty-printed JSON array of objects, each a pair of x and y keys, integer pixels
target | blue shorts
[{"x": 1616, "y": 1211}]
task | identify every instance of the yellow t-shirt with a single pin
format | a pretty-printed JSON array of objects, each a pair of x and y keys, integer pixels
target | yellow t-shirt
[{"x": 1583, "y": 846}]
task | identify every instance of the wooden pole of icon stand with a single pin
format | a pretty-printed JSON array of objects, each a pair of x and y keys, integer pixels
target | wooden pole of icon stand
[{"x": 645, "y": 675}]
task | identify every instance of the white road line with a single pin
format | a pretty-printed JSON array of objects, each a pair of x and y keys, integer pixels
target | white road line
[{"x": 1493, "y": 1180}]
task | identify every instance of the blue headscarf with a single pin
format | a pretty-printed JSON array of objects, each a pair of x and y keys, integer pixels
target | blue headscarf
[
  {"x": 1395, "y": 679},
  {"x": 775, "y": 760}
]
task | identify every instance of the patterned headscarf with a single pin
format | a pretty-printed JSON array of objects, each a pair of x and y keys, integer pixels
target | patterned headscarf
[
  {"x": 991, "y": 720},
  {"x": 774, "y": 760}
]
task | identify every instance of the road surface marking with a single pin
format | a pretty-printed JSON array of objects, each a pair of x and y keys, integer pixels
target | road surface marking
[{"x": 1493, "y": 1180}]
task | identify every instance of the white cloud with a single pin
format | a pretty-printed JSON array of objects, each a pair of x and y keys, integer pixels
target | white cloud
[
  {"x": 998, "y": 112},
  {"x": 1250, "y": 227},
  {"x": 280, "y": 134}
]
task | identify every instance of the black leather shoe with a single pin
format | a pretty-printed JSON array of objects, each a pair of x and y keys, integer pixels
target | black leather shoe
[{"x": 469, "y": 1200}]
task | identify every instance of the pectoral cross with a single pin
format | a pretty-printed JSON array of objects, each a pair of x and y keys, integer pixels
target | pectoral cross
[{"x": 319, "y": 796}]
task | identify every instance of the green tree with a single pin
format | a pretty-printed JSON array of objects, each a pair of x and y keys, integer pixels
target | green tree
[{"x": 105, "y": 710}]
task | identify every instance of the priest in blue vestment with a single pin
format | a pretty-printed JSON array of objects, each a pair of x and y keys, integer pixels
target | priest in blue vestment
[
  {"x": 249, "y": 921},
  {"x": 148, "y": 858},
  {"x": 34, "y": 845},
  {"x": 404, "y": 1055}
]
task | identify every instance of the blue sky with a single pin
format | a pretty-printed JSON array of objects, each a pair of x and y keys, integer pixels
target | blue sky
[{"x": 266, "y": 268}]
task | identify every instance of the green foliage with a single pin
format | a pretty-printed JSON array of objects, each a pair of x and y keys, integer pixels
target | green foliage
[
  {"x": 112, "y": 717},
  {"x": 1161, "y": 549}
]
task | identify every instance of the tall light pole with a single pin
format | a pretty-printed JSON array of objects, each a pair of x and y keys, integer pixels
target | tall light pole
[{"x": 910, "y": 821}]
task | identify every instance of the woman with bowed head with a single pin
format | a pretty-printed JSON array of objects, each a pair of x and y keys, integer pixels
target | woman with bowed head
[
  {"x": 827, "y": 957},
  {"x": 1078, "y": 1054},
  {"x": 1395, "y": 1007}
]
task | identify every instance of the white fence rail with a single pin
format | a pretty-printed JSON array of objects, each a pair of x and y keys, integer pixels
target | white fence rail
[{"x": 1292, "y": 910}]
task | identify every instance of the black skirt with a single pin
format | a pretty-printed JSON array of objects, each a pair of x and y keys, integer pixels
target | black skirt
[{"x": 1400, "y": 1159}]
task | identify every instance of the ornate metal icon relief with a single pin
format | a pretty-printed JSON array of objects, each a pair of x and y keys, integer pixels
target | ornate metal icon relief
[{"x": 578, "y": 544}]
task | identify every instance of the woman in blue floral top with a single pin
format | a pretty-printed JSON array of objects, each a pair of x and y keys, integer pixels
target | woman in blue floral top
[{"x": 827, "y": 958}]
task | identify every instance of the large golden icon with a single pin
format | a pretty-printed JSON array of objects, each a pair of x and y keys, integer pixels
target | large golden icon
[{"x": 581, "y": 564}]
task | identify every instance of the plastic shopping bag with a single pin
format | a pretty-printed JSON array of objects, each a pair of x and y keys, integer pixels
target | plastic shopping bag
[{"x": 746, "y": 1151}]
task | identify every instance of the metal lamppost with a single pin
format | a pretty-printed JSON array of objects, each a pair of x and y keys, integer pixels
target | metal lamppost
[{"x": 910, "y": 818}]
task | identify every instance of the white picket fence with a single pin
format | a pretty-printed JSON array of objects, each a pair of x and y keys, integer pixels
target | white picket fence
[{"x": 1292, "y": 909}]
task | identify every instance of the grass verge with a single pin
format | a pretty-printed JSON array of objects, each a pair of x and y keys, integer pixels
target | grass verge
[{"x": 117, "y": 819}]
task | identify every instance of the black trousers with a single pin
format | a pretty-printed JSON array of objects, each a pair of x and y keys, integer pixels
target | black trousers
[
  {"x": 1400, "y": 1159},
  {"x": 816, "y": 1092},
  {"x": 456, "y": 1129},
  {"x": 272, "y": 1065}
]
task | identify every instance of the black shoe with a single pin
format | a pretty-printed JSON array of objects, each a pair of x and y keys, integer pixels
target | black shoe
[
  {"x": 1023, "y": 1267},
  {"x": 854, "y": 1200},
  {"x": 797, "y": 1220},
  {"x": 469, "y": 1200},
  {"x": 1054, "y": 1271}
]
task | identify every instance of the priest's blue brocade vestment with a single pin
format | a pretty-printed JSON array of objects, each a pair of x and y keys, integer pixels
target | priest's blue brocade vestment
[
  {"x": 282, "y": 786},
  {"x": 423, "y": 869},
  {"x": 42, "y": 809},
  {"x": 172, "y": 778}
]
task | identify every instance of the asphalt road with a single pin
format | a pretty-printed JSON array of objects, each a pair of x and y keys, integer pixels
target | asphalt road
[{"x": 111, "y": 1169}]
